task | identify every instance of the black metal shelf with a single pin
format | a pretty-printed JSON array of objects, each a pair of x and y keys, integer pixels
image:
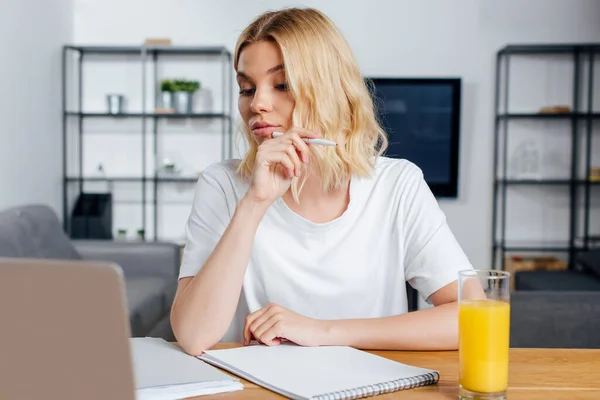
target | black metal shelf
[
  {"x": 534, "y": 249},
  {"x": 184, "y": 179},
  {"x": 148, "y": 115},
  {"x": 546, "y": 116},
  {"x": 584, "y": 56},
  {"x": 534, "y": 182},
  {"x": 567, "y": 48},
  {"x": 138, "y": 50},
  {"x": 149, "y": 57}
]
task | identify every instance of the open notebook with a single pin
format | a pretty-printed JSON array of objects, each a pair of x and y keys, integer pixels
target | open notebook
[
  {"x": 328, "y": 372},
  {"x": 164, "y": 372}
]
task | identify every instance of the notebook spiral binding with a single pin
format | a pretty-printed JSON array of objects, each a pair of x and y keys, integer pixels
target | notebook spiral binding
[{"x": 381, "y": 388}]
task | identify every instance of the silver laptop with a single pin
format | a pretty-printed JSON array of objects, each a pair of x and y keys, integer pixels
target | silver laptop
[{"x": 64, "y": 331}]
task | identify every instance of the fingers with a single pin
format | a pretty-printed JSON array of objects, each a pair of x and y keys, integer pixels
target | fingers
[
  {"x": 249, "y": 320},
  {"x": 264, "y": 325},
  {"x": 301, "y": 147},
  {"x": 268, "y": 329},
  {"x": 293, "y": 155}
]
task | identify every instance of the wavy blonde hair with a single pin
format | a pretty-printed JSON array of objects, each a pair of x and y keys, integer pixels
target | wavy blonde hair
[{"x": 330, "y": 93}]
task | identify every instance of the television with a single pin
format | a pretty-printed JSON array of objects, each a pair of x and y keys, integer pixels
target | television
[{"x": 421, "y": 117}]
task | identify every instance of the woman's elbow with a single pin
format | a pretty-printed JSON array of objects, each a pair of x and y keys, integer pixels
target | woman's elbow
[{"x": 191, "y": 341}]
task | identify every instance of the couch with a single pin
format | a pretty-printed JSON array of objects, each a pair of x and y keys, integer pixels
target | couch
[
  {"x": 555, "y": 319},
  {"x": 585, "y": 276},
  {"x": 150, "y": 268}
]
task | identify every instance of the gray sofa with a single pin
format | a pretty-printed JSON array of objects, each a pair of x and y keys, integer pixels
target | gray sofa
[
  {"x": 150, "y": 268},
  {"x": 555, "y": 319}
]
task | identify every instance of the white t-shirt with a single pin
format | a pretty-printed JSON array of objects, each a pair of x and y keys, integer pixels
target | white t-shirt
[{"x": 352, "y": 267}]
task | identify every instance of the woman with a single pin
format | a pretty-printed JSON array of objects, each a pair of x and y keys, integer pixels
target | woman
[{"x": 308, "y": 243}]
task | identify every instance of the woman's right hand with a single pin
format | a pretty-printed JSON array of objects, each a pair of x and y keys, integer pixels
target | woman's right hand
[{"x": 278, "y": 160}]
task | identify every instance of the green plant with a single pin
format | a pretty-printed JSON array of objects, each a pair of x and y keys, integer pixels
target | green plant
[
  {"x": 181, "y": 85},
  {"x": 167, "y": 85}
]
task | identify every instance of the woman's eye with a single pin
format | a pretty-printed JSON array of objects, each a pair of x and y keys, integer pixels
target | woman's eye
[
  {"x": 282, "y": 87},
  {"x": 246, "y": 92}
]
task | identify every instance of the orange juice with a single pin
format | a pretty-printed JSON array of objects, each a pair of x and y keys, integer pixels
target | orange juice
[{"x": 483, "y": 345}]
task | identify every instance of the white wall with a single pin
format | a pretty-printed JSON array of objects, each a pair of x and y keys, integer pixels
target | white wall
[
  {"x": 390, "y": 38},
  {"x": 30, "y": 104}
]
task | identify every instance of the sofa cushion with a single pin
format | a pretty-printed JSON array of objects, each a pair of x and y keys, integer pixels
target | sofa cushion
[
  {"x": 149, "y": 299},
  {"x": 556, "y": 280},
  {"x": 590, "y": 261},
  {"x": 555, "y": 319},
  {"x": 34, "y": 231}
]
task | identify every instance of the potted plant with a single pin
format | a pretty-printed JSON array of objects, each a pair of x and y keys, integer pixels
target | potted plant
[
  {"x": 183, "y": 95},
  {"x": 167, "y": 87}
]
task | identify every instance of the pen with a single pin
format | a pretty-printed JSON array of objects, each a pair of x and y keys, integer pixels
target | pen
[{"x": 323, "y": 142}]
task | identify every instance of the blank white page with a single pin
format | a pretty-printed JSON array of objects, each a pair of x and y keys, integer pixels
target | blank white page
[{"x": 304, "y": 372}]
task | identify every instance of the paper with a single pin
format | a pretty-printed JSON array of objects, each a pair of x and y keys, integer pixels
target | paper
[
  {"x": 307, "y": 372},
  {"x": 163, "y": 371}
]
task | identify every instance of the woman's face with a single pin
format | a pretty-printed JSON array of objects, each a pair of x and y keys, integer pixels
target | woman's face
[{"x": 265, "y": 103}]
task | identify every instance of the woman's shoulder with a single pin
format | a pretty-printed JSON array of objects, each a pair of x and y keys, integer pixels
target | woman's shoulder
[
  {"x": 397, "y": 171},
  {"x": 224, "y": 174},
  {"x": 226, "y": 169}
]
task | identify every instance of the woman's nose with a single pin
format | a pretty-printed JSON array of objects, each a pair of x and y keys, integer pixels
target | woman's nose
[{"x": 262, "y": 102}]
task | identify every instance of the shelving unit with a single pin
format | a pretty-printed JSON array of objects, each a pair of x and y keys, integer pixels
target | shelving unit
[
  {"x": 148, "y": 118},
  {"x": 578, "y": 185}
]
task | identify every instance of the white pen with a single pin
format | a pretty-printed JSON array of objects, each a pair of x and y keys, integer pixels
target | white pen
[{"x": 323, "y": 142}]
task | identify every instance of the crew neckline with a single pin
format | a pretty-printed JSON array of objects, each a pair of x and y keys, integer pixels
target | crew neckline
[{"x": 297, "y": 220}]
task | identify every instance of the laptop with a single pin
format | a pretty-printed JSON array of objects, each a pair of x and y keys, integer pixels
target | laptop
[{"x": 64, "y": 331}]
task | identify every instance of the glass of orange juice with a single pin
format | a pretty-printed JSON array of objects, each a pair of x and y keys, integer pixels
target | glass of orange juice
[{"x": 483, "y": 330}]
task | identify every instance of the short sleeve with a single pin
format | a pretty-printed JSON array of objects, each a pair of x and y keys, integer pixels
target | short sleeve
[
  {"x": 208, "y": 219},
  {"x": 433, "y": 256}
]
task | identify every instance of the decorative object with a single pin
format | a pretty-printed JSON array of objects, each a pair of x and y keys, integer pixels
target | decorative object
[
  {"x": 157, "y": 42},
  {"x": 555, "y": 110},
  {"x": 525, "y": 162},
  {"x": 115, "y": 103},
  {"x": 122, "y": 234},
  {"x": 178, "y": 94},
  {"x": 516, "y": 263},
  {"x": 169, "y": 167},
  {"x": 594, "y": 174},
  {"x": 91, "y": 217},
  {"x": 141, "y": 234},
  {"x": 166, "y": 96},
  {"x": 184, "y": 95}
]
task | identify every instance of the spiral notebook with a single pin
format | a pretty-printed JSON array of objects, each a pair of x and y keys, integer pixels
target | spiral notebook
[{"x": 328, "y": 372}]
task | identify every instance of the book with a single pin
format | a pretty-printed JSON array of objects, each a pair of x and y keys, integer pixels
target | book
[
  {"x": 164, "y": 372},
  {"x": 327, "y": 372}
]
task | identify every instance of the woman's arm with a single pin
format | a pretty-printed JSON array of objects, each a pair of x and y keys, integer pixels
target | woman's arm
[
  {"x": 205, "y": 304},
  {"x": 429, "y": 329},
  {"x": 433, "y": 328}
]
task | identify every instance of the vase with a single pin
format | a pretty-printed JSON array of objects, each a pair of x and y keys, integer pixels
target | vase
[
  {"x": 115, "y": 103},
  {"x": 166, "y": 100},
  {"x": 183, "y": 102}
]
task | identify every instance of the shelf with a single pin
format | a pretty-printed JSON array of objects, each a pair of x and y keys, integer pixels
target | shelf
[
  {"x": 534, "y": 182},
  {"x": 183, "y": 179},
  {"x": 545, "y": 116},
  {"x": 174, "y": 50},
  {"x": 550, "y": 48},
  {"x": 148, "y": 115},
  {"x": 532, "y": 246}
]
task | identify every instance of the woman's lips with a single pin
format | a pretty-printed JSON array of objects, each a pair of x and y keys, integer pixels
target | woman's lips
[{"x": 265, "y": 131}]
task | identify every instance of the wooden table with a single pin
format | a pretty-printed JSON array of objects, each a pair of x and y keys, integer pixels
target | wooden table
[{"x": 534, "y": 374}]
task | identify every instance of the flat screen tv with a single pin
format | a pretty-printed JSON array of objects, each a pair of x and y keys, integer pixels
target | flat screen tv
[{"x": 421, "y": 117}]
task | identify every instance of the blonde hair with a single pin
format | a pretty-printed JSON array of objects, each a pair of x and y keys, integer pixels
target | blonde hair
[{"x": 330, "y": 93}]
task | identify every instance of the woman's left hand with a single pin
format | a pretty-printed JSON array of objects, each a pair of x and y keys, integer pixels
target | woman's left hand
[{"x": 272, "y": 323}]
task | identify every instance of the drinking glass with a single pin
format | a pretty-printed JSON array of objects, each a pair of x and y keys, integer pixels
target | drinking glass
[{"x": 484, "y": 325}]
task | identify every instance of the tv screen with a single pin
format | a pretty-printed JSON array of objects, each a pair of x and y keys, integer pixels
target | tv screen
[{"x": 421, "y": 118}]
